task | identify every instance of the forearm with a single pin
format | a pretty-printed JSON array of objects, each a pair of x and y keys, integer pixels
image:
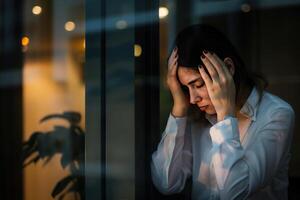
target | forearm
[
  {"x": 241, "y": 172},
  {"x": 237, "y": 183},
  {"x": 171, "y": 163},
  {"x": 179, "y": 110}
]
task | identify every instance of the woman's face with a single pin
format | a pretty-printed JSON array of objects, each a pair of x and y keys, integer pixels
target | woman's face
[{"x": 197, "y": 89}]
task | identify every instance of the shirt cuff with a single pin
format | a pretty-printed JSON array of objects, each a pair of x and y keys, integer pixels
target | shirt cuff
[
  {"x": 224, "y": 130},
  {"x": 176, "y": 125}
]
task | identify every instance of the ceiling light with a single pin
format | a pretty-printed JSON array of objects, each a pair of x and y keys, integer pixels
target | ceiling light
[
  {"x": 246, "y": 7},
  {"x": 137, "y": 50},
  {"x": 36, "y": 10},
  {"x": 121, "y": 24},
  {"x": 70, "y": 26},
  {"x": 163, "y": 12},
  {"x": 25, "y": 41}
]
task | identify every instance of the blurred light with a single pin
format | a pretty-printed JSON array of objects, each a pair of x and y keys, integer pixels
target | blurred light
[
  {"x": 121, "y": 24},
  {"x": 25, "y": 41},
  {"x": 24, "y": 49},
  {"x": 36, "y": 10},
  {"x": 70, "y": 26},
  {"x": 163, "y": 12},
  {"x": 245, "y": 7},
  {"x": 83, "y": 44},
  {"x": 137, "y": 50}
]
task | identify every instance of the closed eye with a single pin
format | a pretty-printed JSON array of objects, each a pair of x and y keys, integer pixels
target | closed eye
[{"x": 199, "y": 85}]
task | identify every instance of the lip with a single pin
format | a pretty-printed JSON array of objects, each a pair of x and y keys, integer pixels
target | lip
[{"x": 203, "y": 107}]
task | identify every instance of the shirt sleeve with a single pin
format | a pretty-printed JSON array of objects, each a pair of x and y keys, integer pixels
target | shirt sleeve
[
  {"x": 240, "y": 173},
  {"x": 172, "y": 161}
]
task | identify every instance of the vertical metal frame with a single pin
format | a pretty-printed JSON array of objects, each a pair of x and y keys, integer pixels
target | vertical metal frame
[
  {"x": 146, "y": 95},
  {"x": 11, "y": 99},
  {"x": 95, "y": 100}
]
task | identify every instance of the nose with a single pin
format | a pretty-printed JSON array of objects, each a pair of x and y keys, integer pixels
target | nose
[{"x": 194, "y": 97}]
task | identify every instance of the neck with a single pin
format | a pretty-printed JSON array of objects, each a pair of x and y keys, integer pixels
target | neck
[{"x": 242, "y": 97}]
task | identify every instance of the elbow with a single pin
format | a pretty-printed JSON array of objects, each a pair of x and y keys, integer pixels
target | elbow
[
  {"x": 166, "y": 190},
  {"x": 237, "y": 184},
  {"x": 238, "y": 195},
  {"x": 162, "y": 182}
]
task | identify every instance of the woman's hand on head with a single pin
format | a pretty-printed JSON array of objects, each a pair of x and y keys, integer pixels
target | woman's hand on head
[
  {"x": 220, "y": 84},
  {"x": 180, "y": 102}
]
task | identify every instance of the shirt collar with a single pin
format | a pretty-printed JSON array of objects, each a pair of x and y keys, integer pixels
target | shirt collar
[{"x": 249, "y": 109}]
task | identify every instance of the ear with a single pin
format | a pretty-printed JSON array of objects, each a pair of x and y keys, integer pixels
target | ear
[{"x": 230, "y": 65}]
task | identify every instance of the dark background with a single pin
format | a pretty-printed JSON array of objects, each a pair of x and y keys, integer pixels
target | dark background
[{"x": 127, "y": 102}]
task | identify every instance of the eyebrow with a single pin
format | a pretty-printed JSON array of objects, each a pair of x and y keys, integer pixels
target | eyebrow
[{"x": 193, "y": 81}]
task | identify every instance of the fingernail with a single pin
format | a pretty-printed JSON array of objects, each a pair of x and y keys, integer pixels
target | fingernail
[
  {"x": 202, "y": 56},
  {"x": 201, "y": 67},
  {"x": 205, "y": 51}
]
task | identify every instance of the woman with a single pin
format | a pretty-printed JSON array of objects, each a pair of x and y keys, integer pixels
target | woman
[{"x": 239, "y": 148}]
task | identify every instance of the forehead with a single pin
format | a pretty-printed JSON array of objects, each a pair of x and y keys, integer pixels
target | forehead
[{"x": 187, "y": 75}]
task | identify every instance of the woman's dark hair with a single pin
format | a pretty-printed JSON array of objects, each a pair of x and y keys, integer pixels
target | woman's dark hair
[{"x": 191, "y": 42}]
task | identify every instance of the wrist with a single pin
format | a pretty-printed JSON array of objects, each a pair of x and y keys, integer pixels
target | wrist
[
  {"x": 179, "y": 110},
  {"x": 225, "y": 116}
]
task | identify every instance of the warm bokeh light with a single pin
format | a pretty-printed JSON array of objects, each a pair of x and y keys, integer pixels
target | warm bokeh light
[
  {"x": 137, "y": 50},
  {"x": 246, "y": 7},
  {"x": 24, "y": 49},
  {"x": 163, "y": 12},
  {"x": 83, "y": 44},
  {"x": 121, "y": 24},
  {"x": 70, "y": 26},
  {"x": 36, "y": 10},
  {"x": 25, "y": 41}
]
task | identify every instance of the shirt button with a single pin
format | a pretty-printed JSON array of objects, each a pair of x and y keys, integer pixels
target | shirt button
[{"x": 235, "y": 143}]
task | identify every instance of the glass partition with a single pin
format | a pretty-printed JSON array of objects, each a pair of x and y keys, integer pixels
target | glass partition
[
  {"x": 83, "y": 92},
  {"x": 53, "y": 45}
]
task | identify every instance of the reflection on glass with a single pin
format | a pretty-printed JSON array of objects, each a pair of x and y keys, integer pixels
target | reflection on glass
[
  {"x": 70, "y": 26},
  {"x": 163, "y": 12},
  {"x": 53, "y": 81},
  {"x": 36, "y": 10}
]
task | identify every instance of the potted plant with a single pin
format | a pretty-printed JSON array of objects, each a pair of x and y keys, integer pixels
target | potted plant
[{"x": 69, "y": 141}]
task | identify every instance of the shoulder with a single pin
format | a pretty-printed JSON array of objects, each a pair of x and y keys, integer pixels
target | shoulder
[{"x": 272, "y": 105}]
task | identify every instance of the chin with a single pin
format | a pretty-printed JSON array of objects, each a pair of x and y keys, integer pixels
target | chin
[{"x": 210, "y": 111}]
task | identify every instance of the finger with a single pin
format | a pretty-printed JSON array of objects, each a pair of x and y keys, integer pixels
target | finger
[
  {"x": 217, "y": 63},
  {"x": 208, "y": 82},
  {"x": 171, "y": 62},
  {"x": 210, "y": 68},
  {"x": 224, "y": 67},
  {"x": 174, "y": 60},
  {"x": 173, "y": 68},
  {"x": 173, "y": 55}
]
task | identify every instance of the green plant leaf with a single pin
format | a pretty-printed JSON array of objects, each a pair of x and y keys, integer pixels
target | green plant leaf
[
  {"x": 69, "y": 141},
  {"x": 71, "y": 116},
  {"x": 61, "y": 185},
  {"x": 48, "y": 160},
  {"x": 33, "y": 160},
  {"x": 61, "y": 197},
  {"x": 30, "y": 146}
]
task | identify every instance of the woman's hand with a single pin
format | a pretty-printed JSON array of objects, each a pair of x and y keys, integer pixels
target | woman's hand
[
  {"x": 220, "y": 85},
  {"x": 181, "y": 104}
]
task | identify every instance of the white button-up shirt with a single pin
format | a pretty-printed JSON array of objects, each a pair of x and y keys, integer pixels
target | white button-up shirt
[{"x": 221, "y": 166}]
